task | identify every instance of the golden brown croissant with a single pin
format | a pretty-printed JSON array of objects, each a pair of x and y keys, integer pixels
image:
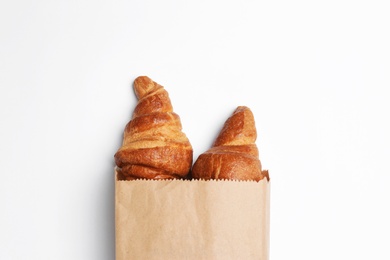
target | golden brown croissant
[
  {"x": 234, "y": 154},
  {"x": 154, "y": 147}
]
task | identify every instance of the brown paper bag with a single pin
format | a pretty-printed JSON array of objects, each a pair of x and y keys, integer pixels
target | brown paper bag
[{"x": 192, "y": 219}]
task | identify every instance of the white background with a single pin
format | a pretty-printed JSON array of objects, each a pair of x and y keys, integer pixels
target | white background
[{"x": 314, "y": 73}]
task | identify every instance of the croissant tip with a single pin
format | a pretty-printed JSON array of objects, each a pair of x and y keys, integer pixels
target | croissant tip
[
  {"x": 143, "y": 85},
  {"x": 238, "y": 129},
  {"x": 142, "y": 78},
  {"x": 242, "y": 108}
]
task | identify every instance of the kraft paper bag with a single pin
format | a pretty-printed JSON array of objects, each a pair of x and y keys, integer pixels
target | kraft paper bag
[{"x": 192, "y": 219}]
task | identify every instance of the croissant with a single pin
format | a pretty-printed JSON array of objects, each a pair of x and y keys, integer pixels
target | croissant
[
  {"x": 154, "y": 146},
  {"x": 234, "y": 154}
]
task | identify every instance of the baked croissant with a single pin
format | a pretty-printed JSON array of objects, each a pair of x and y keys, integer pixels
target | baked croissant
[
  {"x": 154, "y": 147},
  {"x": 234, "y": 154}
]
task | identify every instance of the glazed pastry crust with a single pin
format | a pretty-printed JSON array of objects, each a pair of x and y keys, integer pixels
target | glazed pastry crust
[
  {"x": 154, "y": 146},
  {"x": 234, "y": 154}
]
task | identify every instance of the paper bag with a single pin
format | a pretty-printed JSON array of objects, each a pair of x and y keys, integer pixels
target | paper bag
[{"x": 192, "y": 219}]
